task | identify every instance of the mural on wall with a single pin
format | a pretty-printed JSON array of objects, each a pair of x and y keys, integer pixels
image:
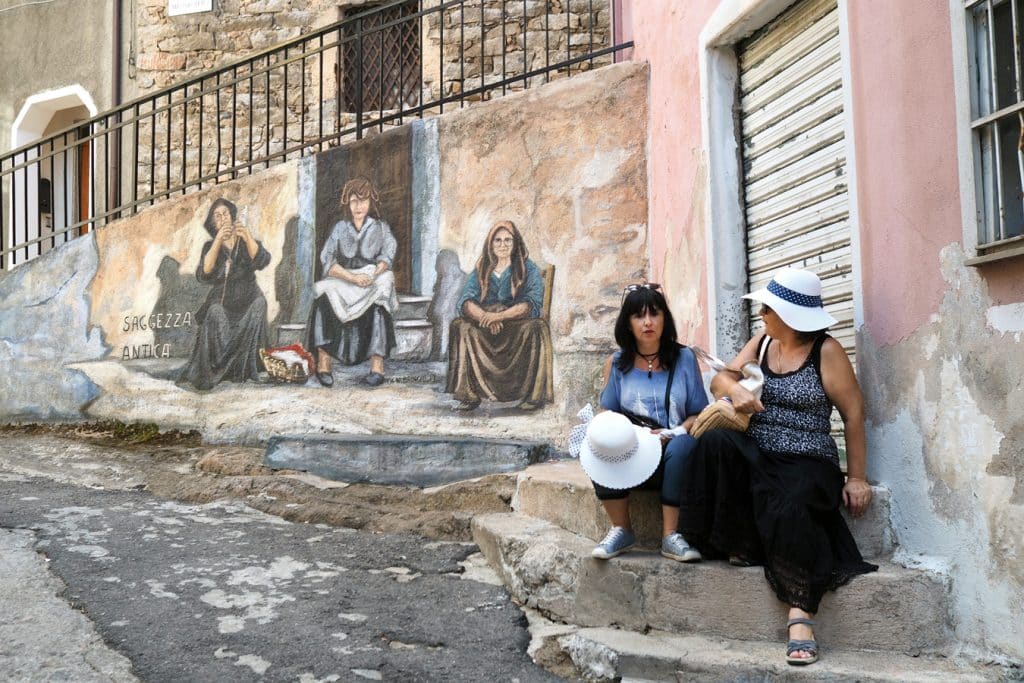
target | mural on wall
[
  {"x": 232, "y": 322},
  {"x": 352, "y": 316},
  {"x": 163, "y": 314},
  {"x": 500, "y": 346}
]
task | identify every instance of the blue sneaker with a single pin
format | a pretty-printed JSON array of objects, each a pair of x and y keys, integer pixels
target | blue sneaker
[
  {"x": 618, "y": 540},
  {"x": 674, "y": 546}
]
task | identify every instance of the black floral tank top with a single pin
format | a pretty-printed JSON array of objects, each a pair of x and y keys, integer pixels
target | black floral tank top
[{"x": 796, "y": 410}]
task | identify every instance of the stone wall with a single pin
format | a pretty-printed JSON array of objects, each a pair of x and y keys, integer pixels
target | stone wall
[
  {"x": 491, "y": 40},
  {"x": 275, "y": 108}
]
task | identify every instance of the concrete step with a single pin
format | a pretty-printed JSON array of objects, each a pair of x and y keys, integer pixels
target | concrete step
[
  {"x": 550, "y": 569},
  {"x": 613, "y": 654},
  {"x": 561, "y": 493},
  {"x": 401, "y": 460}
]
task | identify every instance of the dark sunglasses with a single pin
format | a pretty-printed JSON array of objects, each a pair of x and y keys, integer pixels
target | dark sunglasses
[
  {"x": 629, "y": 289},
  {"x": 765, "y": 308}
]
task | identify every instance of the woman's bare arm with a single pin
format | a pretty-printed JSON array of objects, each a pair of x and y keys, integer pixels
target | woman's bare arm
[
  {"x": 842, "y": 389},
  {"x": 726, "y": 383}
]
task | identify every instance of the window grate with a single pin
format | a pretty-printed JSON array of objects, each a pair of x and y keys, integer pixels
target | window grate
[
  {"x": 388, "y": 56},
  {"x": 997, "y": 118}
]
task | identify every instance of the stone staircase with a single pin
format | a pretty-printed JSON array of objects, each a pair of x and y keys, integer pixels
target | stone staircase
[{"x": 641, "y": 616}]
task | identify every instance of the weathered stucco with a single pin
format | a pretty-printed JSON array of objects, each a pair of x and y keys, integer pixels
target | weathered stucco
[
  {"x": 568, "y": 168},
  {"x": 666, "y": 36},
  {"x": 940, "y": 348},
  {"x": 945, "y": 435}
]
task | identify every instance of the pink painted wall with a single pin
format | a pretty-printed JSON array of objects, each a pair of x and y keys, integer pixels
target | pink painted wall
[
  {"x": 667, "y": 33},
  {"x": 904, "y": 121}
]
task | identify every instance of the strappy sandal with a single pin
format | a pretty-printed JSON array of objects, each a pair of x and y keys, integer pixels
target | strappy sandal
[
  {"x": 794, "y": 645},
  {"x": 739, "y": 561}
]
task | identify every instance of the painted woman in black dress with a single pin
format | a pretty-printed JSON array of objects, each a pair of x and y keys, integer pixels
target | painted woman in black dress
[{"x": 233, "y": 320}]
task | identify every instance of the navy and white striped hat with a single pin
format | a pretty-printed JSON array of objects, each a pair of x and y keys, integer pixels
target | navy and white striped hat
[{"x": 795, "y": 295}]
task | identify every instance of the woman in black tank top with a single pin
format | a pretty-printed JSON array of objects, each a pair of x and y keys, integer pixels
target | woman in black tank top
[{"x": 772, "y": 495}]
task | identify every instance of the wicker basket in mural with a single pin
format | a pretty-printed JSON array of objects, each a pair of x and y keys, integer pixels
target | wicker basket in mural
[{"x": 284, "y": 371}]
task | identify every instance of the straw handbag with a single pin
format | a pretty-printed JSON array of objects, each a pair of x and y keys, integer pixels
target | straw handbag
[{"x": 721, "y": 414}]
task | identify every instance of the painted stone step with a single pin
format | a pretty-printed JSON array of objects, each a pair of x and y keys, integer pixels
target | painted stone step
[
  {"x": 413, "y": 339},
  {"x": 614, "y": 654},
  {"x": 561, "y": 493},
  {"x": 550, "y": 569},
  {"x": 401, "y": 460},
  {"x": 412, "y": 307}
]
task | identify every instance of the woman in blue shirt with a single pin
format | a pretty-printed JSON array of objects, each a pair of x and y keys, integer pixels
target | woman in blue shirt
[
  {"x": 500, "y": 349},
  {"x": 637, "y": 380}
]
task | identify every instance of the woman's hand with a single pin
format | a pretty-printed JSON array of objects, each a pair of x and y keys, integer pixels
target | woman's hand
[
  {"x": 494, "y": 327},
  {"x": 224, "y": 233},
  {"x": 362, "y": 280},
  {"x": 250, "y": 242},
  {"x": 488, "y": 320},
  {"x": 856, "y": 496},
  {"x": 743, "y": 400}
]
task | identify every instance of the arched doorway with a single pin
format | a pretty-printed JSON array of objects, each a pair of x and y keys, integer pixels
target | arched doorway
[{"x": 54, "y": 191}]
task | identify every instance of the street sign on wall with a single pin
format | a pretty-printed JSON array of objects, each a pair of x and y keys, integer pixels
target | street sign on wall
[{"x": 176, "y": 7}]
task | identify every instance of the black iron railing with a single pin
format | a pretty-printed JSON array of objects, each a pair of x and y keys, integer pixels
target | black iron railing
[{"x": 292, "y": 100}]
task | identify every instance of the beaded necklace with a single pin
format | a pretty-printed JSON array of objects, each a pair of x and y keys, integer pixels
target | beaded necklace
[{"x": 649, "y": 357}]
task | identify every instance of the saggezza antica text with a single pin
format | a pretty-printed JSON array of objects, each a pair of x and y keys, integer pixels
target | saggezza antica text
[{"x": 153, "y": 321}]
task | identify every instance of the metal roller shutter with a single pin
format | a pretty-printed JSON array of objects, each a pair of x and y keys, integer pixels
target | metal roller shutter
[{"x": 794, "y": 158}]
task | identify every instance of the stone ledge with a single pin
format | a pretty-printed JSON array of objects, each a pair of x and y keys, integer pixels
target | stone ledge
[
  {"x": 561, "y": 493},
  {"x": 402, "y": 460},
  {"x": 550, "y": 569},
  {"x": 613, "y": 654}
]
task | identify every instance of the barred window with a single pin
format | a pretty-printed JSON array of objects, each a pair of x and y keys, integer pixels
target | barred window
[
  {"x": 997, "y": 121},
  {"x": 382, "y": 58}
]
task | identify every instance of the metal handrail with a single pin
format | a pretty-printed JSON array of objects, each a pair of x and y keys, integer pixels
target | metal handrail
[{"x": 146, "y": 151}]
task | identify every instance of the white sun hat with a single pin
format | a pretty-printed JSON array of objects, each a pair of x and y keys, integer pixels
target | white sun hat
[
  {"x": 618, "y": 454},
  {"x": 795, "y": 295}
]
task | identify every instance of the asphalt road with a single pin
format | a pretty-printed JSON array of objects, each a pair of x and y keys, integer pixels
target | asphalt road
[{"x": 222, "y": 592}]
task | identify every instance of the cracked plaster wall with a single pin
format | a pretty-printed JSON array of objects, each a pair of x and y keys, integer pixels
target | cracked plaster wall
[
  {"x": 940, "y": 348},
  {"x": 946, "y": 436}
]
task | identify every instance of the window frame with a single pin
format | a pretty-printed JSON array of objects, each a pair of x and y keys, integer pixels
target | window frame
[{"x": 984, "y": 224}]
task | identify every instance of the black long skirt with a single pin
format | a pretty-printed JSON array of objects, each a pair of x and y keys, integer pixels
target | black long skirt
[
  {"x": 371, "y": 334},
  {"x": 227, "y": 346},
  {"x": 776, "y": 509}
]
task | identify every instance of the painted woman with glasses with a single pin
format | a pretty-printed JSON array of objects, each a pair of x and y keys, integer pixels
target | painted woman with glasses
[
  {"x": 656, "y": 383},
  {"x": 772, "y": 495},
  {"x": 500, "y": 348}
]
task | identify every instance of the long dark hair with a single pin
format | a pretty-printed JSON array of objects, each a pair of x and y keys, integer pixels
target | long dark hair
[
  {"x": 210, "y": 224},
  {"x": 487, "y": 261},
  {"x": 641, "y": 301}
]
